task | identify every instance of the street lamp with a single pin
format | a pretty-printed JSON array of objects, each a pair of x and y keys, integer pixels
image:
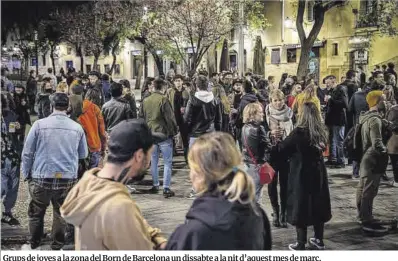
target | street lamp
[
  {"x": 144, "y": 34},
  {"x": 36, "y": 38},
  {"x": 289, "y": 23}
]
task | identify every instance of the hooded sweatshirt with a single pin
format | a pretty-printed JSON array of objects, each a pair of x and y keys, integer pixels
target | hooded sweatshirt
[
  {"x": 106, "y": 218},
  {"x": 203, "y": 114},
  {"x": 215, "y": 223},
  {"x": 375, "y": 159}
]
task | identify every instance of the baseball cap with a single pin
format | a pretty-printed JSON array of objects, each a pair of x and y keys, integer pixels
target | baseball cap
[
  {"x": 129, "y": 136},
  {"x": 60, "y": 99}
]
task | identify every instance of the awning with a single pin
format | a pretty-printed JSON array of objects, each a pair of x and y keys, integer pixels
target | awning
[{"x": 296, "y": 46}]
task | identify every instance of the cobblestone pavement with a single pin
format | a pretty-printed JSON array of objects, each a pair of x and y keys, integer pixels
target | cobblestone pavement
[{"x": 341, "y": 233}]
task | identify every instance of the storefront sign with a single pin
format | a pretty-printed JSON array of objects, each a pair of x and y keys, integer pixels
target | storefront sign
[{"x": 361, "y": 57}]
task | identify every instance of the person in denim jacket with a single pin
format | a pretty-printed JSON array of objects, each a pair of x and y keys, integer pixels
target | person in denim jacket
[{"x": 50, "y": 158}]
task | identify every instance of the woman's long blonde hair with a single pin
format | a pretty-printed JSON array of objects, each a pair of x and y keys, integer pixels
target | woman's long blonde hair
[
  {"x": 309, "y": 92},
  {"x": 310, "y": 119},
  {"x": 216, "y": 156}
]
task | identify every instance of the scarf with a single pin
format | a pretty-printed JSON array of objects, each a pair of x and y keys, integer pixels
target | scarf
[{"x": 280, "y": 115}]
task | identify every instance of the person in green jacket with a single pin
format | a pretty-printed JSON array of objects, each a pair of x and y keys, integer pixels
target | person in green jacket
[
  {"x": 158, "y": 113},
  {"x": 373, "y": 163}
]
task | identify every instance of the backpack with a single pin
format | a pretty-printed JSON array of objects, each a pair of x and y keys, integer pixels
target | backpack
[{"x": 353, "y": 143}]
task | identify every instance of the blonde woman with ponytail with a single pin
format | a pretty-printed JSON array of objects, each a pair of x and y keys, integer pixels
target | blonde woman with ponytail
[{"x": 224, "y": 216}]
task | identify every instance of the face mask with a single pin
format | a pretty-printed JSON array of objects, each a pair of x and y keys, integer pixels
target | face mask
[{"x": 49, "y": 90}]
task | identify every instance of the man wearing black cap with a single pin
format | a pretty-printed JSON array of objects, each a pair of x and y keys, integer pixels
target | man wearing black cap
[
  {"x": 100, "y": 206},
  {"x": 95, "y": 83},
  {"x": 50, "y": 158}
]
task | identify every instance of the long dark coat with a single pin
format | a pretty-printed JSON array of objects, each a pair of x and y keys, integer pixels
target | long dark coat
[{"x": 308, "y": 200}]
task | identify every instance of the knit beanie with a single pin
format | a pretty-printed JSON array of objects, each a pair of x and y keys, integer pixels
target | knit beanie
[{"x": 373, "y": 98}]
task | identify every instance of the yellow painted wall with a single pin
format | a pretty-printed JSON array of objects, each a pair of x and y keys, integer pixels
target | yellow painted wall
[{"x": 338, "y": 27}]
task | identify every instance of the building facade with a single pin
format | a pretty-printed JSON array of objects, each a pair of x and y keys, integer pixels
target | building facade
[{"x": 343, "y": 43}]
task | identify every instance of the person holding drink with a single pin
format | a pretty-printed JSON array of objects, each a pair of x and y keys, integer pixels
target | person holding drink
[{"x": 279, "y": 119}]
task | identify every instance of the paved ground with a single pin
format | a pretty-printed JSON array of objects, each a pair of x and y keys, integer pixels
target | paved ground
[{"x": 341, "y": 233}]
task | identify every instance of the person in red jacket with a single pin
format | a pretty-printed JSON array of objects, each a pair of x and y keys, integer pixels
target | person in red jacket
[
  {"x": 93, "y": 124},
  {"x": 297, "y": 89}
]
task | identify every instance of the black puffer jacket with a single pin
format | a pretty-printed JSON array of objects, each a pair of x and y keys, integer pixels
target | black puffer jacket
[
  {"x": 215, "y": 223},
  {"x": 336, "y": 107},
  {"x": 115, "y": 111},
  {"x": 255, "y": 139},
  {"x": 203, "y": 114}
]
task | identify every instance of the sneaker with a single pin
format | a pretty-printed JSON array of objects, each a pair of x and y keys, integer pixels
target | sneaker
[
  {"x": 8, "y": 218},
  {"x": 167, "y": 193},
  {"x": 394, "y": 184},
  {"x": 154, "y": 190},
  {"x": 374, "y": 227},
  {"x": 316, "y": 243},
  {"x": 297, "y": 246},
  {"x": 192, "y": 195},
  {"x": 355, "y": 177},
  {"x": 131, "y": 189}
]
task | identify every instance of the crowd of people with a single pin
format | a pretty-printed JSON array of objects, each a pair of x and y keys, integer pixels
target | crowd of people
[{"x": 91, "y": 142}]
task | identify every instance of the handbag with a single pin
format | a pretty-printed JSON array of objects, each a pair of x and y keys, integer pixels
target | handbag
[{"x": 265, "y": 172}]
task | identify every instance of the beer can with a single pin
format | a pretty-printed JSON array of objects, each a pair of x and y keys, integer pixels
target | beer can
[{"x": 11, "y": 127}]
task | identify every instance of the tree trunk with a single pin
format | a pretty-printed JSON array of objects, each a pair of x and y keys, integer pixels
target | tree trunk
[
  {"x": 82, "y": 63},
  {"x": 52, "y": 58},
  {"x": 139, "y": 76},
  {"x": 113, "y": 64},
  {"x": 159, "y": 64},
  {"x": 303, "y": 63},
  {"x": 114, "y": 48},
  {"x": 320, "y": 8},
  {"x": 96, "y": 57},
  {"x": 211, "y": 61}
]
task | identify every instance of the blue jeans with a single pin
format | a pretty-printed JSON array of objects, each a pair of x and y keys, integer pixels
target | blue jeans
[
  {"x": 94, "y": 159},
  {"x": 166, "y": 147},
  {"x": 191, "y": 141},
  {"x": 355, "y": 168},
  {"x": 9, "y": 185},
  {"x": 252, "y": 170},
  {"x": 336, "y": 139}
]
